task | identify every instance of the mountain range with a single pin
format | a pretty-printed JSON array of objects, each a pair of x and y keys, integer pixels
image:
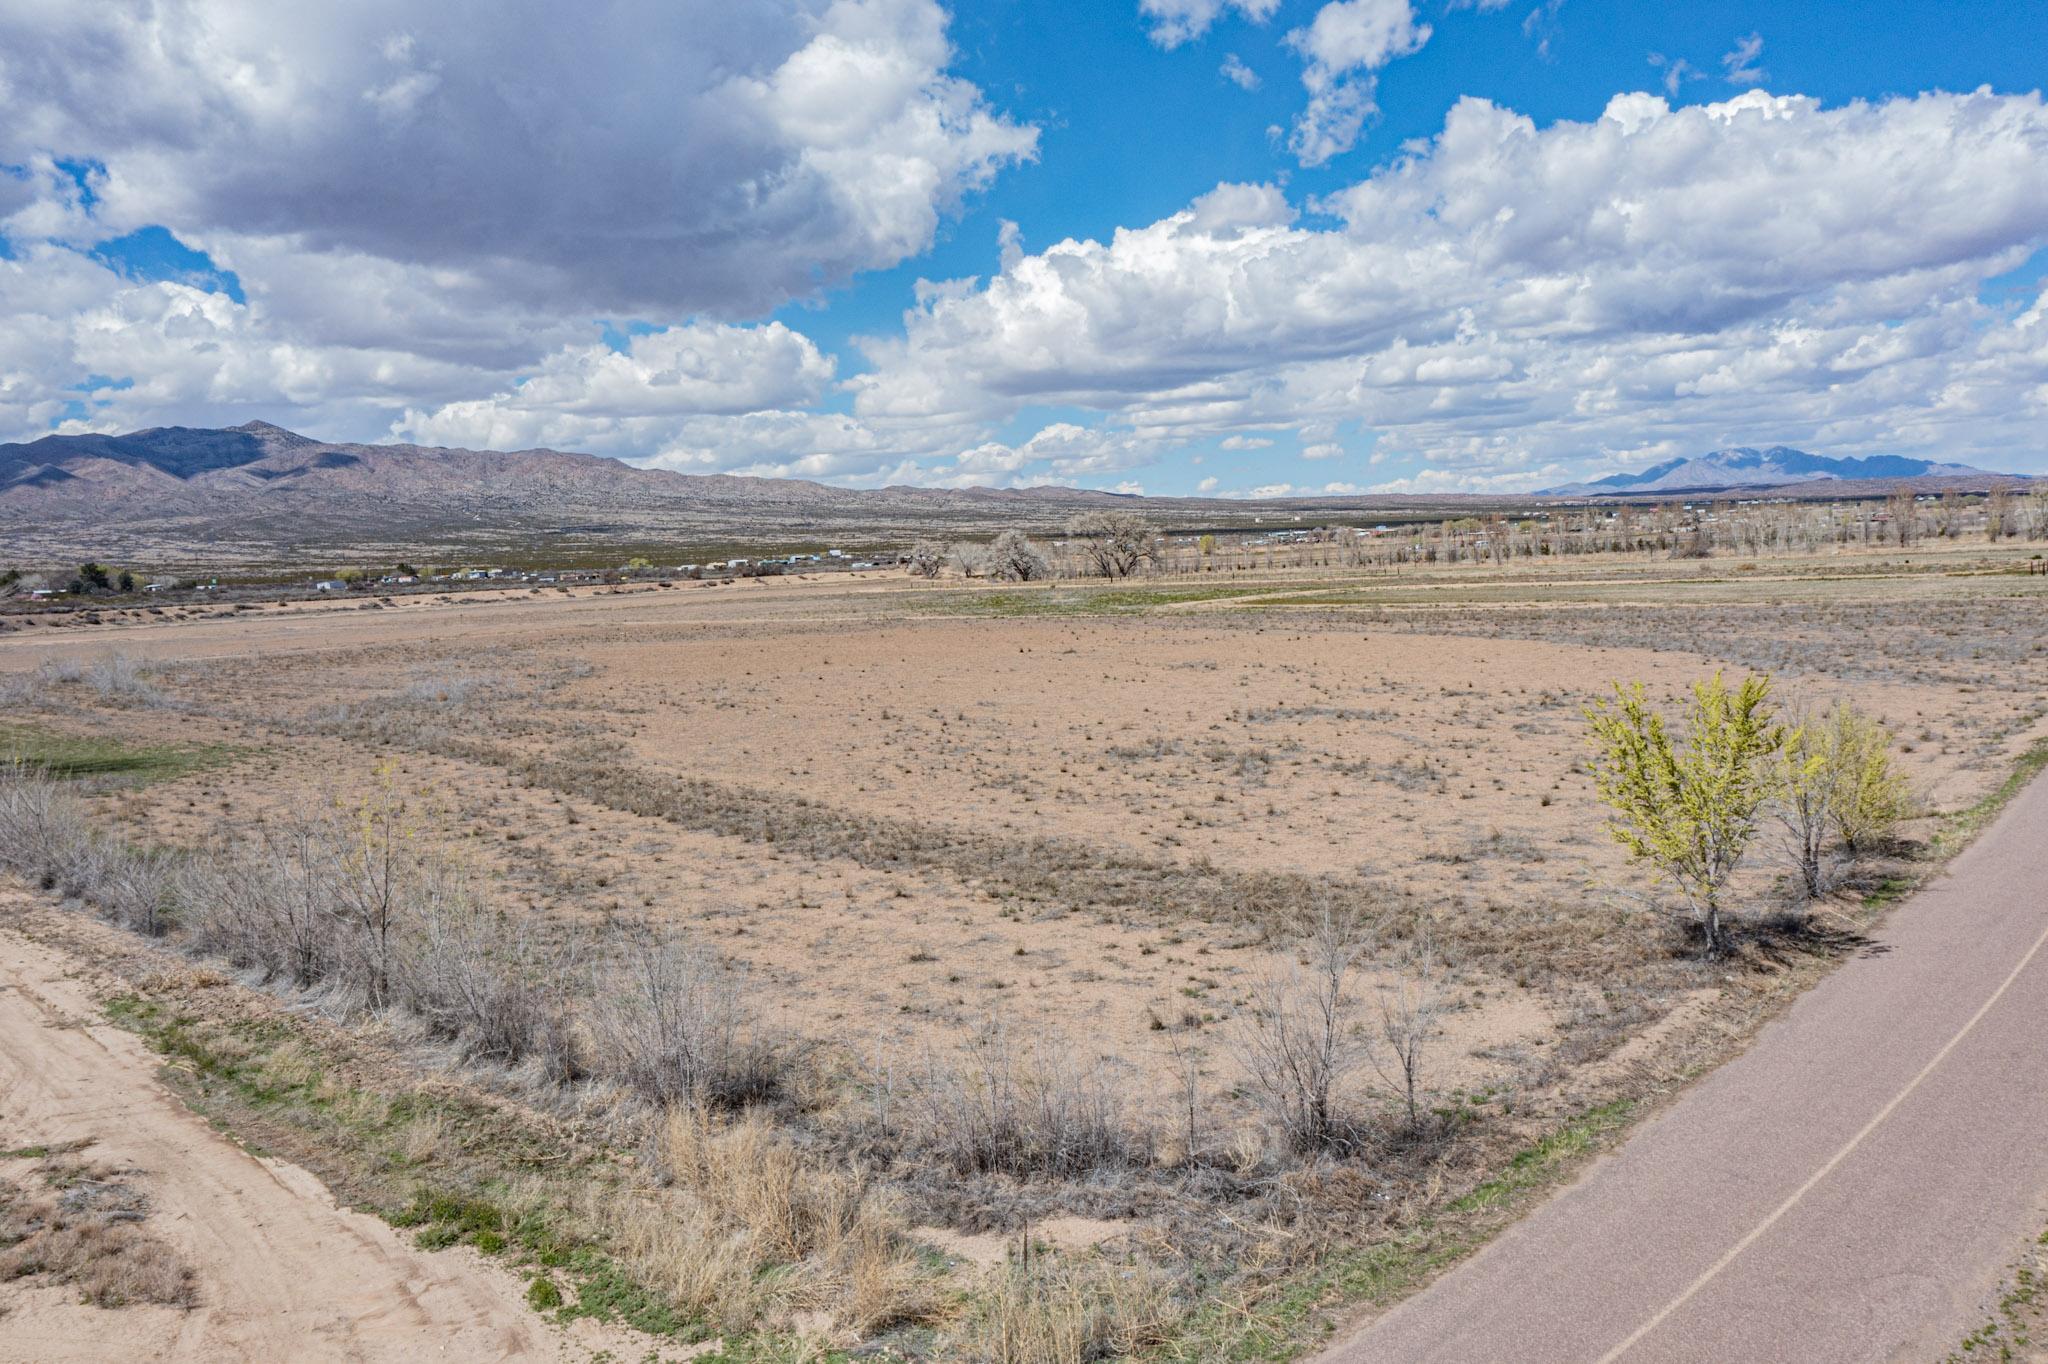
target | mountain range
[
  {"x": 1744, "y": 466},
  {"x": 259, "y": 495}
]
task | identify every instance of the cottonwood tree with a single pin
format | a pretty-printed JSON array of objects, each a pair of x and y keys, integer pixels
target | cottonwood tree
[
  {"x": 1013, "y": 558},
  {"x": 1689, "y": 808},
  {"x": 1904, "y": 510},
  {"x": 1809, "y": 769},
  {"x": 1871, "y": 796},
  {"x": 1837, "y": 781},
  {"x": 1115, "y": 543},
  {"x": 928, "y": 557}
]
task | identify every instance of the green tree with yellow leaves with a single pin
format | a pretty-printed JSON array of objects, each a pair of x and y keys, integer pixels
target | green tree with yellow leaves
[
  {"x": 1690, "y": 807},
  {"x": 1838, "y": 781}
]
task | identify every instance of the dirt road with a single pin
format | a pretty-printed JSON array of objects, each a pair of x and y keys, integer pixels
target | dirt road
[
  {"x": 1850, "y": 1189},
  {"x": 283, "y": 1273}
]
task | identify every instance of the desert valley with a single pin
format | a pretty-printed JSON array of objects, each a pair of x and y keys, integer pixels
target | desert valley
[{"x": 971, "y": 682}]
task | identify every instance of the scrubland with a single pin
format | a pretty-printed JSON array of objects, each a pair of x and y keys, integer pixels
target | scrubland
[{"x": 938, "y": 969}]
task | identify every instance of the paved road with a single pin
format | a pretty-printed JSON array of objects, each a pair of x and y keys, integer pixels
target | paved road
[{"x": 1851, "y": 1188}]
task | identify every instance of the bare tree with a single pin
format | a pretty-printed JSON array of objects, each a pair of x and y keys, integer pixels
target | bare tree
[
  {"x": 1997, "y": 514},
  {"x": 1948, "y": 515},
  {"x": 1296, "y": 1044},
  {"x": 1411, "y": 1012},
  {"x": 928, "y": 557},
  {"x": 1013, "y": 558},
  {"x": 1187, "y": 1094},
  {"x": 1904, "y": 510},
  {"x": 374, "y": 868},
  {"x": 1116, "y": 543}
]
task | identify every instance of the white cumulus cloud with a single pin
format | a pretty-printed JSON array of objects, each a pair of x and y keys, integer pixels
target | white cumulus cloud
[
  {"x": 1174, "y": 22},
  {"x": 1509, "y": 296},
  {"x": 1346, "y": 42},
  {"x": 691, "y": 157}
]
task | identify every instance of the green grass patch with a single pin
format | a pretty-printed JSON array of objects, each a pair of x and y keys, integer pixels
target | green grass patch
[
  {"x": 1966, "y": 824},
  {"x": 1539, "y": 1166},
  {"x": 78, "y": 755},
  {"x": 1289, "y": 1319},
  {"x": 259, "y": 1068},
  {"x": 2016, "y": 1323}
]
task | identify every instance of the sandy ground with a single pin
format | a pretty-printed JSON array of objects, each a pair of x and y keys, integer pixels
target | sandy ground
[
  {"x": 1434, "y": 758},
  {"x": 1447, "y": 764},
  {"x": 283, "y": 1273}
]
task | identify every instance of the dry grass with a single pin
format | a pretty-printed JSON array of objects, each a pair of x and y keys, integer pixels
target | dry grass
[
  {"x": 1055, "y": 1309},
  {"x": 84, "y": 1228},
  {"x": 846, "y": 941},
  {"x": 753, "y": 1230}
]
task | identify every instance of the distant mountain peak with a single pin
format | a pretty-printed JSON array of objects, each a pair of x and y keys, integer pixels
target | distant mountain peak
[
  {"x": 1747, "y": 466},
  {"x": 271, "y": 429}
]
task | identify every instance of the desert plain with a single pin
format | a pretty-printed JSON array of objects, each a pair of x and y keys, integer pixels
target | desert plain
[{"x": 963, "y": 854}]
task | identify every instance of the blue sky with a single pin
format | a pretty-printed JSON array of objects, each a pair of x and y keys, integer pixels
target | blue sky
[{"x": 1230, "y": 246}]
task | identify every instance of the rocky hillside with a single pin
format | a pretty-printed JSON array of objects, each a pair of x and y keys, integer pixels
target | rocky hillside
[{"x": 259, "y": 491}]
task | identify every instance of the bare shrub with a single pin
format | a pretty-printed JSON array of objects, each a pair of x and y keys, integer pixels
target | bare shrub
[
  {"x": 1025, "y": 1109},
  {"x": 1187, "y": 1061},
  {"x": 45, "y": 831},
  {"x": 456, "y": 689},
  {"x": 47, "y": 837},
  {"x": 1296, "y": 1044},
  {"x": 484, "y": 982},
  {"x": 339, "y": 898},
  {"x": 375, "y": 873},
  {"x": 1411, "y": 1009},
  {"x": 352, "y": 904},
  {"x": 928, "y": 558},
  {"x": 269, "y": 908},
  {"x": 114, "y": 678},
  {"x": 667, "y": 1021},
  {"x": 118, "y": 678},
  {"x": 137, "y": 888},
  {"x": 1049, "y": 1309}
]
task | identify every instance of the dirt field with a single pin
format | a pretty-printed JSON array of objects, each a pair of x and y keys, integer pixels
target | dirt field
[{"x": 905, "y": 813}]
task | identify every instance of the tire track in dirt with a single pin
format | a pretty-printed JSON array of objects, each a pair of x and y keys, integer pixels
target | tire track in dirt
[{"x": 283, "y": 1271}]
